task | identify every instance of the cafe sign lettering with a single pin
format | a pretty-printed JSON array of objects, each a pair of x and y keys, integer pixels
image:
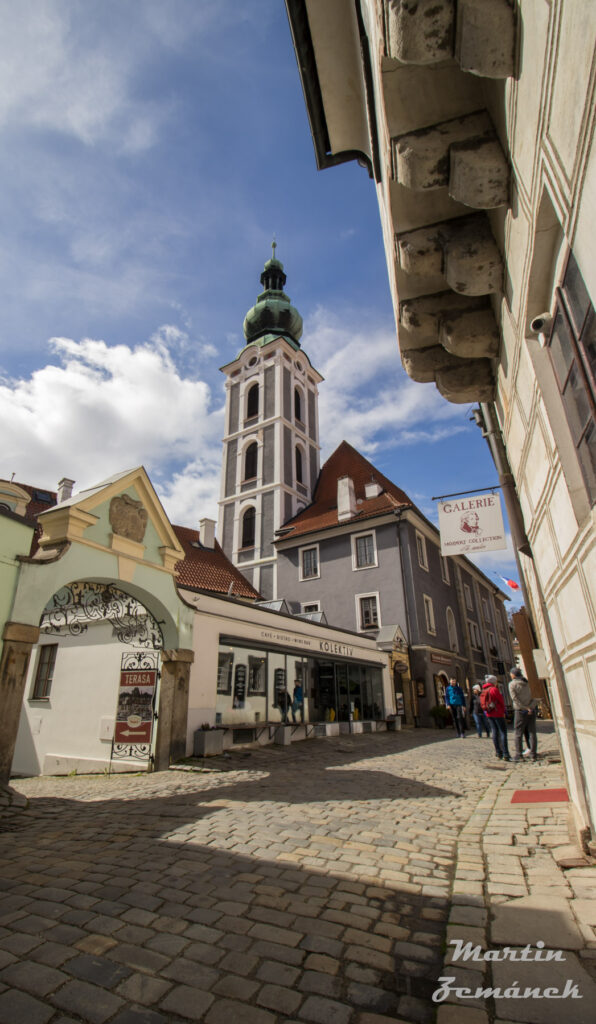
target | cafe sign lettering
[{"x": 470, "y": 525}]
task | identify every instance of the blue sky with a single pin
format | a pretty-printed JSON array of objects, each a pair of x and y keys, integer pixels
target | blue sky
[{"x": 149, "y": 151}]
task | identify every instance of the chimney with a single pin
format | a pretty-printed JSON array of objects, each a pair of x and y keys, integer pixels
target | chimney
[
  {"x": 207, "y": 533},
  {"x": 372, "y": 489},
  {"x": 346, "y": 498},
  {"x": 65, "y": 487}
]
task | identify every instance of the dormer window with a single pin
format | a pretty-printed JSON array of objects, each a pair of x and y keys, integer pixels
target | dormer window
[{"x": 252, "y": 402}]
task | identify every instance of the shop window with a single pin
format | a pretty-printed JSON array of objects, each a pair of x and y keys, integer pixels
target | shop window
[
  {"x": 421, "y": 549},
  {"x": 572, "y": 348},
  {"x": 248, "y": 527},
  {"x": 309, "y": 563},
  {"x": 250, "y": 461},
  {"x": 429, "y": 614},
  {"x": 257, "y": 677},
  {"x": 46, "y": 661},
  {"x": 252, "y": 402},
  {"x": 224, "y": 672},
  {"x": 369, "y": 612},
  {"x": 364, "y": 551}
]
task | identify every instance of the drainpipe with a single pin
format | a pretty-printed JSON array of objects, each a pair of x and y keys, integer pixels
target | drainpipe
[
  {"x": 487, "y": 420},
  {"x": 398, "y": 514}
]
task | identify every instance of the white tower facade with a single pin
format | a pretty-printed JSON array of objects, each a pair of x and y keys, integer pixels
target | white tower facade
[{"x": 271, "y": 445}]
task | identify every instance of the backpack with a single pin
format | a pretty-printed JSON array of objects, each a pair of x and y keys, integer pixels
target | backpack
[{"x": 486, "y": 702}]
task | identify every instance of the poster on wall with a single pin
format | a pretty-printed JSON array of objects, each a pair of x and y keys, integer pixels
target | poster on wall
[
  {"x": 239, "y": 686},
  {"x": 134, "y": 715},
  {"x": 470, "y": 525}
]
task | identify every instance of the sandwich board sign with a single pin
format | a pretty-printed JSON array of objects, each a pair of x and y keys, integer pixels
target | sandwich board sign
[{"x": 471, "y": 524}]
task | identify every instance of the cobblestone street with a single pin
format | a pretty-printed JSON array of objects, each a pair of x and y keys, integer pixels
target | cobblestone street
[{"x": 313, "y": 884}]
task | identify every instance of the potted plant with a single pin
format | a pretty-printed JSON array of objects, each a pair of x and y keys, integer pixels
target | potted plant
[
  {"x": 440, "y": 715},
  {"x": 208, "y": 741}
]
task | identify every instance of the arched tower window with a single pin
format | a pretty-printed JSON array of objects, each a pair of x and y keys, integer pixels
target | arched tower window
[
  {"x": 299, "y": 479},
  {"x": 250, "y": 461},
  {"x": 252, "y": 402},
  {"x": 298, "y": 406},
  {"x": 248, "y": 528},
  {"x": 452, "y": 631}
]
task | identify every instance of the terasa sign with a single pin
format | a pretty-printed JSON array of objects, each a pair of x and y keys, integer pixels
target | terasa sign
[{"x": 469, "y": 525}]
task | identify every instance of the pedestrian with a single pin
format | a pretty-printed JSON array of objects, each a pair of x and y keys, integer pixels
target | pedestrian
[
  {"x": 525, "y": 709},
  {"x": 298, "y": 701},
  {"x": 284, "y": 703},
  {"x": 456, "y": 702},
  {"x": 475, "y": 709},
  {"x": 493, "y": 705}
]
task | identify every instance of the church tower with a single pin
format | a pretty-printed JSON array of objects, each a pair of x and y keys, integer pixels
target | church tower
[{"x": 271, "y": 442}]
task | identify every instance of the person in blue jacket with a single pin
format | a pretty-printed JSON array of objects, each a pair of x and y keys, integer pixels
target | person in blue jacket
[{"x": 456, "y": 702}]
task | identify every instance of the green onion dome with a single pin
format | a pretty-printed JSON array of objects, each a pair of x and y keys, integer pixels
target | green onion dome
[{"x": 273, "y": 312}]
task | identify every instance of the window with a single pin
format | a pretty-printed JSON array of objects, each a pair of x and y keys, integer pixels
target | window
[
  {"x": 444, "y": 568},
  {"x": 248, "y": 528},
  {"x": 421, "y": 549},
  {"x": 252, "y": 402},
  {"x": 429, "y": 614},
  {"x": 250, "y": 461},
  {"x": 468, "y": 597},
  {"x": 369, "y": 612},
  {"x": 224, "y": 672},
  {"x": 45, "y": 671},
  {"x": 572, "y": 347},
  {"x": 485, "y": 610},
  {"x": 309, "y": 563},
  {"x": 298, "y": 466},
  {"x": 452, "y": 631},
  {"x": 256, "y": 675},
  {"x": 298, "y": 406},
  {"x": 474, "y": 635},
  {"x": 364, "y": 551},
  {"x": 314, "y": 606},
  {"x": 492, "y": 643}
]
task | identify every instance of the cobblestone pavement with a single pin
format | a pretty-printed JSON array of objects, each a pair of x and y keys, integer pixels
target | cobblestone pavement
[{"x": 317, "y": 883}]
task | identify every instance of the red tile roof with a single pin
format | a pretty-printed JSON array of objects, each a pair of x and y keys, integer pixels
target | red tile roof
[
  {"x": 208, "y": 568},
  {"x": 41, "y": 499},
  {"x": 322, "y": 513}
]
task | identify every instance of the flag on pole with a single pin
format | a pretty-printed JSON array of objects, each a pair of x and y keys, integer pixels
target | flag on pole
[{"x": 510, "y": 583}]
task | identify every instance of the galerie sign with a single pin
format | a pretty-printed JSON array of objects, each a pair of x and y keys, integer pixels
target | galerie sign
[{"x": 469, "y": 525}]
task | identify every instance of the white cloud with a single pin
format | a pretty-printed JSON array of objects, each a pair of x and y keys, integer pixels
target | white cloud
[
  {"x": 367, "y": 398},
  {"x": 101, "y": 409}
]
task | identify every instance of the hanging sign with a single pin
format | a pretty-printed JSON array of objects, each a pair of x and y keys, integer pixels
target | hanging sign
[
  {"x": 469, "y": 525},
  {"x": 134, "y": 716}
]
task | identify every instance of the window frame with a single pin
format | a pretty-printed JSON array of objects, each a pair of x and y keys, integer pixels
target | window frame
[
  {"x": 354, "y": 542},
  {"x": 299, "y": 464},
  {"x": 42, "y": 684},
  {"x": 421, "y": 549},
  {"x": 245, "y": 511},
  {"x": 453, "y": 639},
  {"x": 474, "y": 631},
  {"x": 253, "y": 446},
  {"x": 431, "y": 622},
  {"x": 252, "y": 389},
  {"x": 468, "y": 594},
  {"x": 298, "y": 406},
  {"x": 310, "y": 606},
  {"x": 374, "y": 595},
  {"x": 229, "y": 658},
  {"x": 301, "y": 551},
  {"x": 575, "y": 328},
  {"x": 444, "y": 569}
]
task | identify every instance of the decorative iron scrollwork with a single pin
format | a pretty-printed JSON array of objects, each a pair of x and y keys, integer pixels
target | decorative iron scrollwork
[
  {"x": 138, "y": 751},
  {"x": 74, "y": 607}
]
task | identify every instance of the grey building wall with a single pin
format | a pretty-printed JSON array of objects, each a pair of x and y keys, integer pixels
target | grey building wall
[
  {"x": 269, "y": 397},
  {"x": 231, "y": 457},
  {"x": 268, "y": 454},
  {"x": 234, "y": 408},
  {"x": 267, "y": 523},
  {"x": 312, "y": 419},
  {"x": 227, "y": 541},
  {"x": 266, "y": 582},
  {"x": 443, "y": 595},
  {"x": 312, "y": 456},
  {"x": 287, "y": 507},
  {"x": 288, "y": 471},
  {"x": 287, "y": 394}
]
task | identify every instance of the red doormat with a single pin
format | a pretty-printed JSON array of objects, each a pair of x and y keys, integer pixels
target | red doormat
[{"x": 540, "y": 796}]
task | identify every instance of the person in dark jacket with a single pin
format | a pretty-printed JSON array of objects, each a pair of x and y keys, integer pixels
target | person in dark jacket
[
  {"x": 456, "y": 702},
  {"x": 493, "y": 705},
  {"x": 475, "y": 710}
]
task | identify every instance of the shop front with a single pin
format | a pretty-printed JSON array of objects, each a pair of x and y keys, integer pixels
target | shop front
[{"x": 258, "y": 669}]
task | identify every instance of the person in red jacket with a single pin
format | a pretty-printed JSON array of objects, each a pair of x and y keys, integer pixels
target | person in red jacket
[{"x": 492, "y": 703}]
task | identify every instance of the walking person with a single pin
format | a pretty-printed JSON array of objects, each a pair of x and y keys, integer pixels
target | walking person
[
  {"x": 298, "y": 701},
  {"x": 524, "y": 719},
  {"x": 476, "y": 712},
  {"x": 456, "y": 702},
  {"x": 493, "y": 705}
]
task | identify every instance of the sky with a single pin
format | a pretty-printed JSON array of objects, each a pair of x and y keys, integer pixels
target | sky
[{"x": 149, "y": 153}]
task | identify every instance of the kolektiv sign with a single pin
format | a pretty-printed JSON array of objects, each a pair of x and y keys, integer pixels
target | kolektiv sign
[
  {"x": 134, "y": 716},
  {"x": 469, "y": 525}
]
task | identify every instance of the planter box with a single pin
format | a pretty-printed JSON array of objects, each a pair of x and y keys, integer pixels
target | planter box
[{"x": 208, "y": 742}]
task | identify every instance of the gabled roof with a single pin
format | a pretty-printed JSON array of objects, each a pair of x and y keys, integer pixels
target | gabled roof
[
  {"x": 322, "y": 513},
  {"x": 208, "y": 568}
]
